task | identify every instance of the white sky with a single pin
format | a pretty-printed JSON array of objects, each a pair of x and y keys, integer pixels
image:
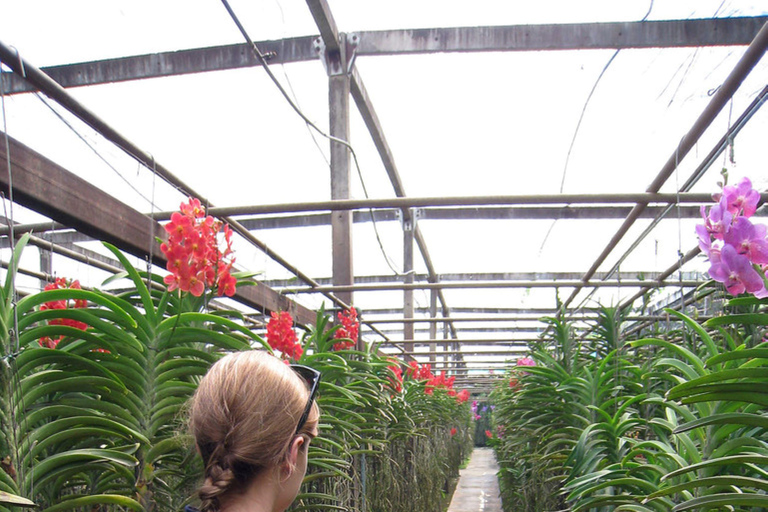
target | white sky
[{"x": 458, "y": 124}]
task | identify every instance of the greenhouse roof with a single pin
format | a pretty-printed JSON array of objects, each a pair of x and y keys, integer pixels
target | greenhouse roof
[{"x": 508, "y": 159}]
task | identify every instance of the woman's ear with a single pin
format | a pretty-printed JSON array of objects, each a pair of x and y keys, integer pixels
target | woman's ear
[{"x": 292, "y": 457}]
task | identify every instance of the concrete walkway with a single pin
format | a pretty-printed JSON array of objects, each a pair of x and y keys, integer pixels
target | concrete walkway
[{"x": 478, "y": 488}]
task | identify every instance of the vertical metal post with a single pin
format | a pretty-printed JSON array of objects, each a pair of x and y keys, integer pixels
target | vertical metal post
[
  {"x": 408, "y": 327},
  {"x": 446, "y": 336},
  {"x": 46, "y": 264},
  {"x": 341, "y": 221},
  {"x": 433, "y": 326}
]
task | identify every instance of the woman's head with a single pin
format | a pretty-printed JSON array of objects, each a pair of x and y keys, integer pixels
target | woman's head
[{"x": 244, "y": 416}]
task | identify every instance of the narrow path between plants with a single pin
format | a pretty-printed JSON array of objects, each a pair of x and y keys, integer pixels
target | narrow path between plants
[{"x": 478, "y": 487}]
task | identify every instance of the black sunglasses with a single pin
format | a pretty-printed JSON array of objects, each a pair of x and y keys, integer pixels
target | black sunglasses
[{"x": 312, "y": 378}]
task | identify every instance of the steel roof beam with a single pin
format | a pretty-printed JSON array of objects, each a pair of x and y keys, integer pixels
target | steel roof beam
[{"x": 736, "y": 31}]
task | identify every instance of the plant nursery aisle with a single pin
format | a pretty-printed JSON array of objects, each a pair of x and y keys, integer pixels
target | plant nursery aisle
[{"x": 478, "y": 487}]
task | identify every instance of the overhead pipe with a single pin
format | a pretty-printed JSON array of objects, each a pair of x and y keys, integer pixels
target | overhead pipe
[
  {"x": 406, "y": 203},
  {"x": 487, "y": 284},
  {"x": 485, "y": 319}
]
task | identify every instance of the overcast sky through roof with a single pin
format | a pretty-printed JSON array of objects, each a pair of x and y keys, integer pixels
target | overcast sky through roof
[{"x": 458, "y": 124}]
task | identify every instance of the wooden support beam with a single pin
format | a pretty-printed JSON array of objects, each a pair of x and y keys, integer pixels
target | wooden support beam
[
  {"x": 663, "y": 34},
  {"x": 49, "y": 189}
]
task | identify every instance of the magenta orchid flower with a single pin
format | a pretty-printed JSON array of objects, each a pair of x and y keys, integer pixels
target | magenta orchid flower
[
  {"x": 741, "y": 197},
  {"x": 737, "y": 273},
  {"x": 748, "y": 239},
  {"x": 705, "y": 240},
  {"x": 718, "y": 221}
]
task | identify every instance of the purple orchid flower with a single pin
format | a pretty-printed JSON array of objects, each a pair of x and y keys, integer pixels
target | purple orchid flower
[
  {"x": 741, "y": 197},
  {"x": 748, "y": 239},
  {"x": 705, "y": 240},
  {"x": 737, "y": 273},
  {"x": 719, "y": 219}
]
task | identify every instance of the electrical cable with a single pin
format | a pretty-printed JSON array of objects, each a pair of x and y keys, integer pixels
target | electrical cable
[
  {"x": 14, "y": 346},
  {"x": 96, "y": 151},
  {"x": 578, "y": 126},
  {"x": 290, "y": 85},
  {"x": 263, "y": 61}
]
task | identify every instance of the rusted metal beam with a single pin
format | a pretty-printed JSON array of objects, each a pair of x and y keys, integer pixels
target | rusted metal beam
[
  {"x": 49, "y": 189},
  {"x": 672, "y": 33}
]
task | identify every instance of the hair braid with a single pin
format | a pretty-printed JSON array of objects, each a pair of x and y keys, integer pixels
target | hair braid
[{"x": 243, "y": 417}]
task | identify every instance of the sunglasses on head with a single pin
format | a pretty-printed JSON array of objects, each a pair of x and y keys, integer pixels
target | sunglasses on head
[{"x": 312, "y": 378}]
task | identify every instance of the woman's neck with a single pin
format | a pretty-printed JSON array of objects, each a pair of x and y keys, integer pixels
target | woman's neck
[{"x": 260, "y": 496}]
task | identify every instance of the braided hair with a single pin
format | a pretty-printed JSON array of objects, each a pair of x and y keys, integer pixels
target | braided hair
[{"x": 243, "y": 416}]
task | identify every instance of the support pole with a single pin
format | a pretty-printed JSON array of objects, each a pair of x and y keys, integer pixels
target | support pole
[
  {"x": 46, "y": 264},
  {"x": 408, "y": 326},
  {"x": 341, "y": 221},
  {"x": 432, "y": 325}
]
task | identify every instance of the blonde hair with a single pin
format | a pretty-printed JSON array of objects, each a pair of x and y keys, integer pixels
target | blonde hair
[{"x": 243, "y": 417}]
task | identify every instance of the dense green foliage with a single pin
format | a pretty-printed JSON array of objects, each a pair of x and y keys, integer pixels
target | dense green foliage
[
  {"x": 98, "y": 421},
  {"x": 672, "y": 422}
]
